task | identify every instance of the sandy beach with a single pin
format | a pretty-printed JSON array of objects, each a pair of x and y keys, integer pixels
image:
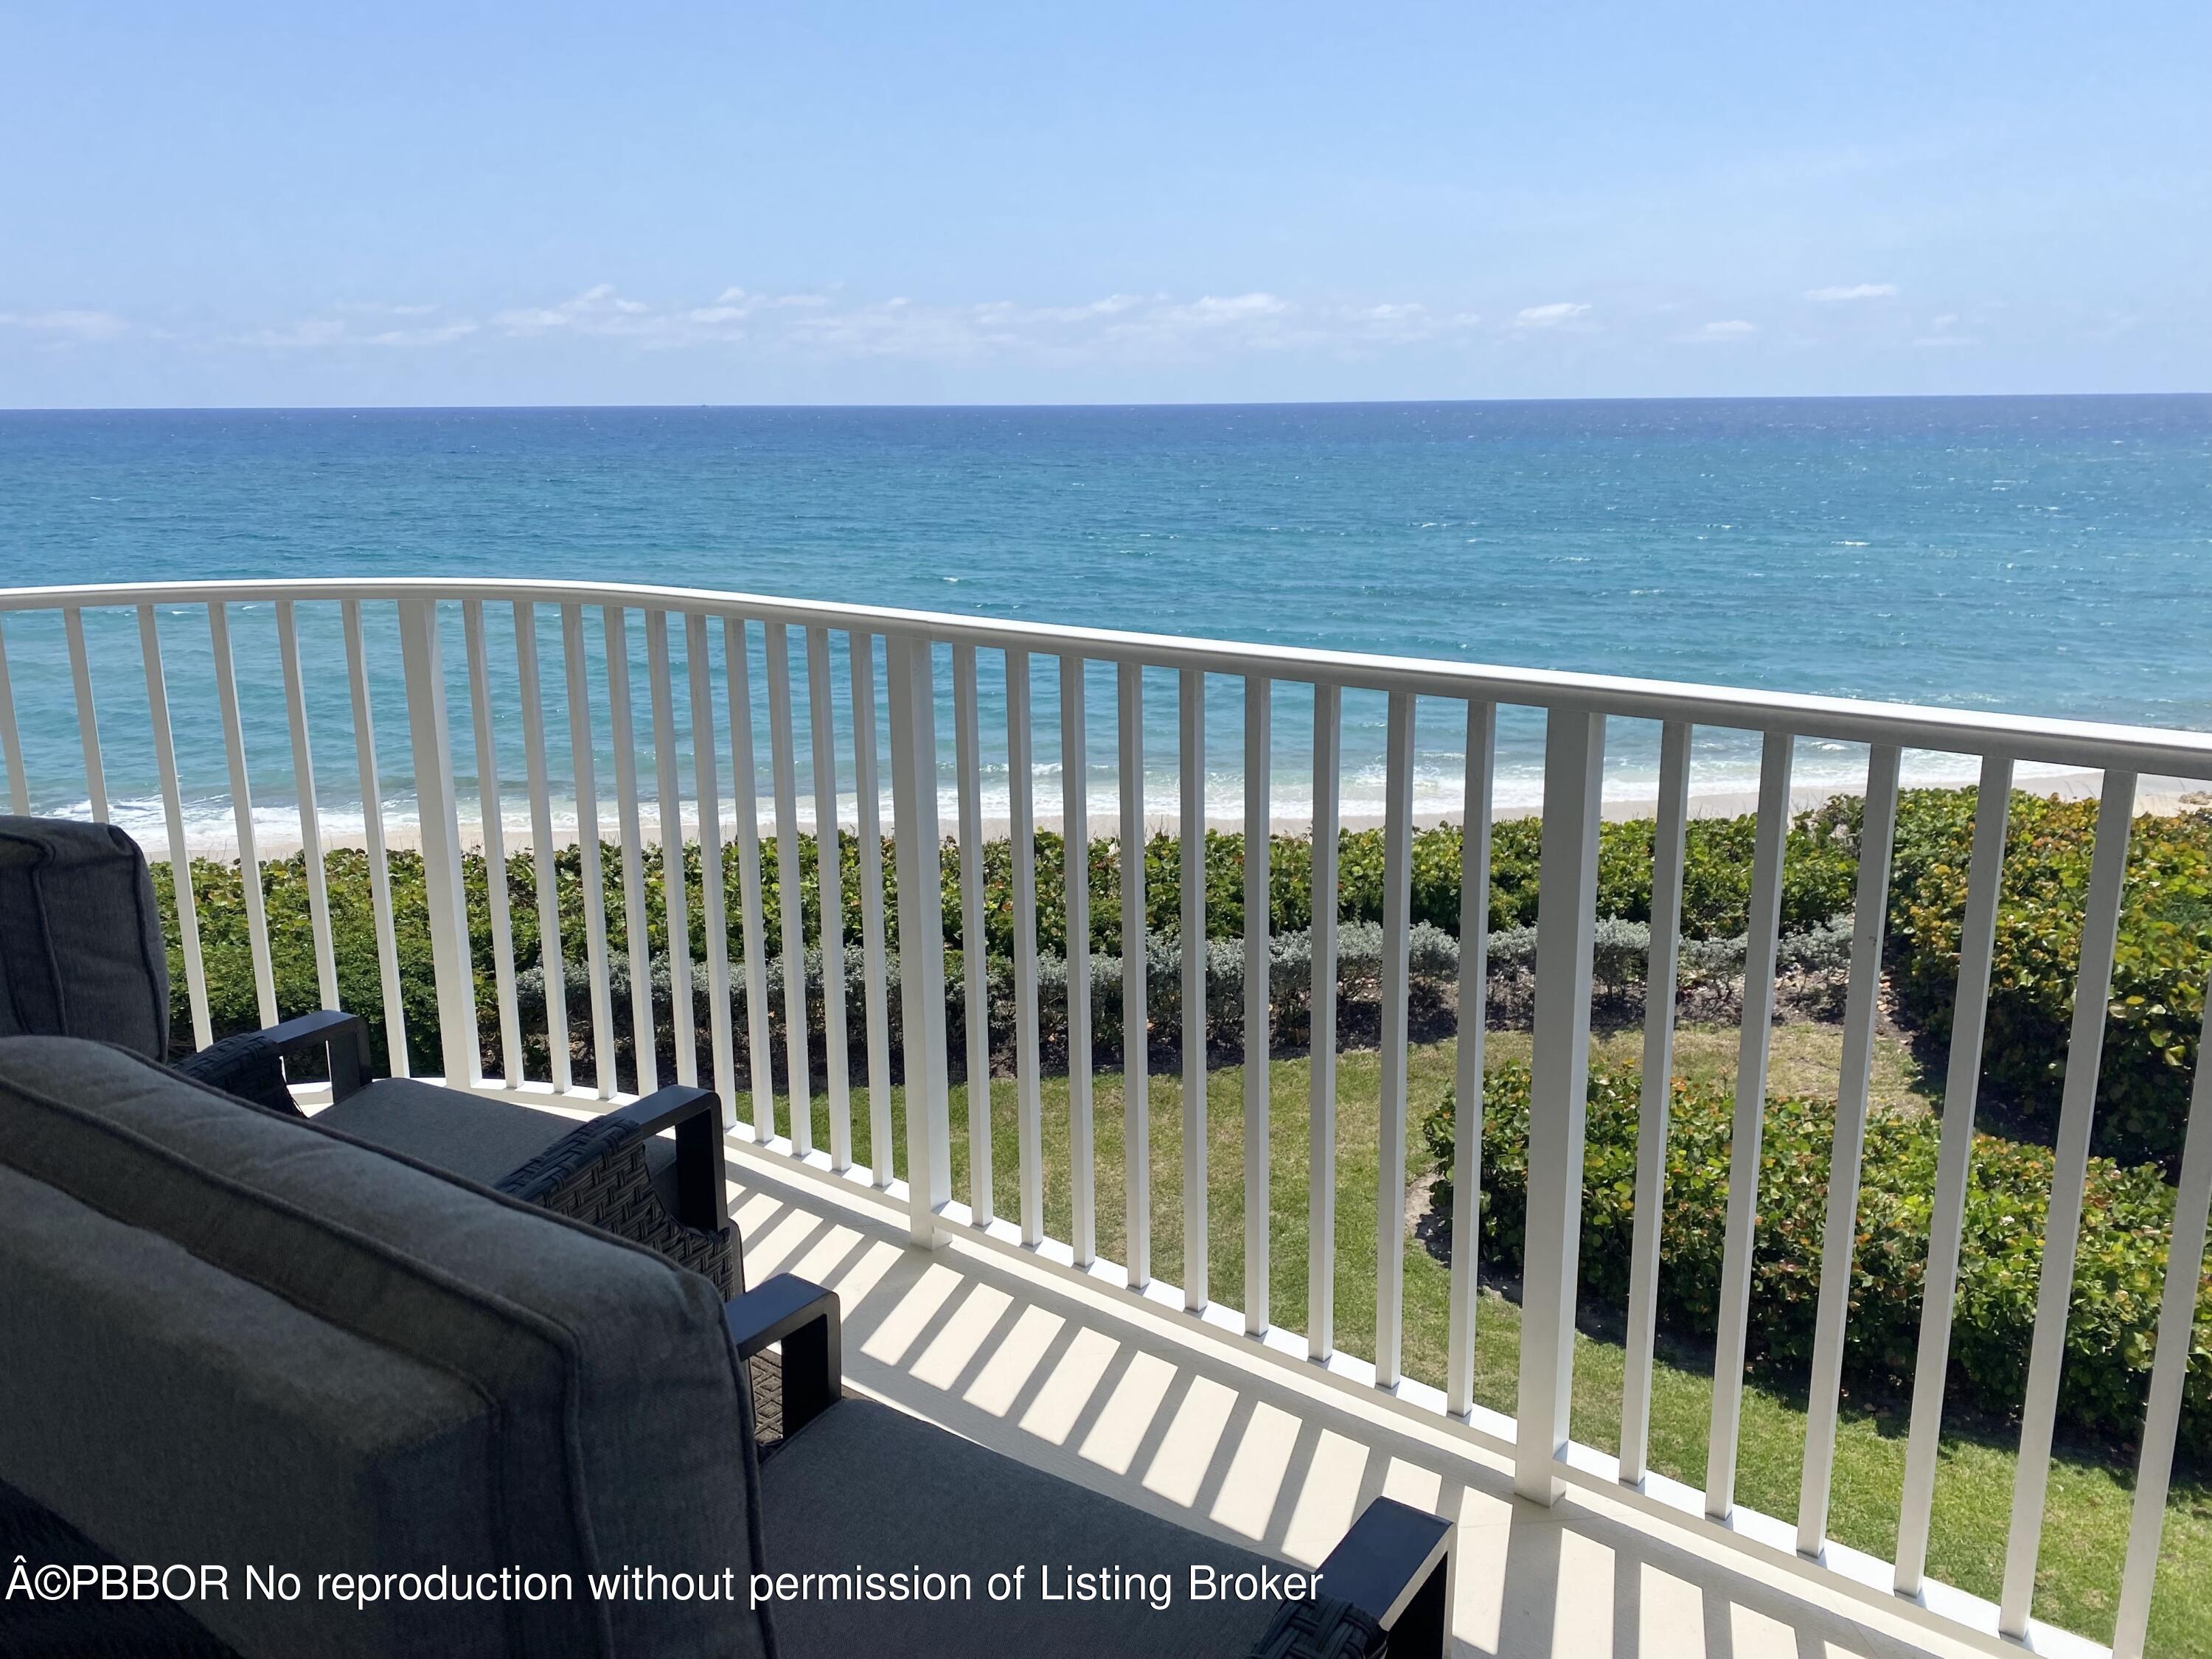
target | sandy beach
[{"x": 2159, "y": 795}]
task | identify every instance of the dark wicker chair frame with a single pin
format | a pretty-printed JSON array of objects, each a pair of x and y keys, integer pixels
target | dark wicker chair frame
[
  {"x": 1389, "y": 1580},
  {"x": 595, "y": 1174},
  {"x": 81, "y": 954}
]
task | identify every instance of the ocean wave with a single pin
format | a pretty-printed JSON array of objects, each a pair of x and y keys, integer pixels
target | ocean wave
[{"x": 210, "y": 826}]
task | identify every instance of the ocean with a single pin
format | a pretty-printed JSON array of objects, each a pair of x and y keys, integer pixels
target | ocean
[{"x": 2048, "y": 555}]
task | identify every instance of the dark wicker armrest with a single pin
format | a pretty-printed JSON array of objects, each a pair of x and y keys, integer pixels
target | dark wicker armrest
[
  {"x": 1393, "y": 1570},
  {"x": 252, "y": 1064},
  {"x": 1322, "y": 1627},
  {"x": 806, "y": 1320},
  {"x": 597, "y": 1174},
  {"x": 702, "y": 1181}
]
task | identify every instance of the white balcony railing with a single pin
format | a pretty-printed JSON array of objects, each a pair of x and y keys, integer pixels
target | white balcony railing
[{"x": 702, "y": 643}]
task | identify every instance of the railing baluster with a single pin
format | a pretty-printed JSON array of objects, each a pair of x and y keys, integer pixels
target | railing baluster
[
  {"x": 1653, "y": 1107},
  {"x": 173, "y": 811},
  {"x": 303, "y": 774},
  {"x": 241, "y": 811},
  {"x": 592, "y": 872},
  {"x": 552, "y": 961},
  {"x": 423, "y": 662},
  {"x": 493, "y": 830},
  {"x": 2169, "y": 1372},
  {"x": 1862, "y": 1009},
  {"x": 1468, "y": 1075},
  {"x": 12, "y": 741},
  {"x": 868, "y": 788},
  {"x": 921, "y": 932},
  {"x": 636, "y": 923},
  {"x": 789, "y": 889},
  {"x": 675, "y": 887},
  {"x": 1757, "y": 1037},
  {"x": 1075, "y": 829},
  {"x": 2092, "y": 988},
  {"x": 379, "y": 863},
  {"x": 1545, "y": 1456},
  {"x": 744, "y": 821},
  {"x": 713, "y": 902},
  {"x": 1259, "y": 1030},
  {"x": 1192, "y": 838},
  {"x": 1321, "y": 1107},
  {"x": 837, "y": 1051},
  {"x": 1021, "y": 830},
  {"x": 1976, "y": 948},
  {"x": 1390, "y": 1153},
  {"x": 1566, "y": 927},
  {"x": 1136, "y": 1010},
  {"x": 87, "y": 715},
  {"x": 975, "y": 961}
]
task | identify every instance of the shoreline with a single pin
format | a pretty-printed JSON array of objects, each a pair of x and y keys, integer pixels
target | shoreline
[{"x": 2162, "y": 797}]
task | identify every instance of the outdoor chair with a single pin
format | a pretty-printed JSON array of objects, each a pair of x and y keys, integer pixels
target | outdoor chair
[
  {"x": 242, "y": 1339},
  {"x": 81, "y": 954}
]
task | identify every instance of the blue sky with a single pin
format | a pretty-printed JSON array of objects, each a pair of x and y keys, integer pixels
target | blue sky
[{"x": 481, "y": 203}]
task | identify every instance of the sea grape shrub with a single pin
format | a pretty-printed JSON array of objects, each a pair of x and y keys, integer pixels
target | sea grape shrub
[
  {"x": 2163, "y": 956},
  {"x": 1817, "y": 888},
  {"x": 226, "y": 950},
  {"x": 2119, "y": 1269},
  {"x": 1812, "y": 962},
  {"x": 2165, "y": 946}
]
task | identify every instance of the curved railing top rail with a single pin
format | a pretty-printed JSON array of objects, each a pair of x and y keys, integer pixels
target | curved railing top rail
[{"x": 2091, "y": 745}]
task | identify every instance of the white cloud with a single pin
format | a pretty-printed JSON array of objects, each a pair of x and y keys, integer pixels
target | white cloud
[
  {"x": 735, "y": 304},
  {"x": 1404, "y": 323},
  {"x": 596, "y": 310},
  {"x": 1116, "y": 327},
  {"x": 306, "y": 334},
  {"x": 1843, "y": 291},
  {"x": 323, "y": 333},
  {"x": 1551, "y": 316},
  {"x": 1112, "y": 305},
  {"x": 436, "y": 334},
  {"x": 1734, "y": 328},
  {"x": 1943, "y": 331},
  {"x": 68, "y": 324},
  {"x": 1213, "y": 311}
]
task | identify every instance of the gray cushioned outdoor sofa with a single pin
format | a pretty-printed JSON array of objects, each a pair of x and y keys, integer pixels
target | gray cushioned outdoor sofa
[
  {"x": 81, "y": 954},
  {"x": 237, "y": 1338}
]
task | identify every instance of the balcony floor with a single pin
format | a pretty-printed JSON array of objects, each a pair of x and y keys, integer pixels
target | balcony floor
[{"x": 1089, "y": 1385}]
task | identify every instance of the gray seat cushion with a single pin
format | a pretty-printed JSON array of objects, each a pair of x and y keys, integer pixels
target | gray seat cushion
[
  {"x": 468, "y": 1135},
  {"x": 461, "y": 1134},
  {"x": 868, "y": 1485},
  {"x": 234, "y": 1337}
]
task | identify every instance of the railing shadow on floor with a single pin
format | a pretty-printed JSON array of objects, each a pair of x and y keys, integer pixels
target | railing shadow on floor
[{"x": 1193, "y": 1432}]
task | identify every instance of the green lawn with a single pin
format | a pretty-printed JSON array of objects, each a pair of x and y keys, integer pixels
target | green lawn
[{"x": 2085, "y": 1534}]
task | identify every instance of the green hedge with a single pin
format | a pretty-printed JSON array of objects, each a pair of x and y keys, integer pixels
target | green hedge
[
  {"x": 2117, "y": 1279},
  {"x": 2164, "y": 952},
  {"x": 2165, "y": 947},
  {"x": 1716, "y": 885}
]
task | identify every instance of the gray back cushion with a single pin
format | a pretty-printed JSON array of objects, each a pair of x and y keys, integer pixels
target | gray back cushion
[
  {"x": 234, "y": 1337},
  {"x": 81, "y": 950}
]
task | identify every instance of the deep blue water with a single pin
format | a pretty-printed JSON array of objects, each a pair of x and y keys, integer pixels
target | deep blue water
[{"x": 2044, "y": 555}]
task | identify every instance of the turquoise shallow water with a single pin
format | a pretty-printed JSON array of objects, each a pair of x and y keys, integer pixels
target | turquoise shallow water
[{"x": 2048, "y": 555}]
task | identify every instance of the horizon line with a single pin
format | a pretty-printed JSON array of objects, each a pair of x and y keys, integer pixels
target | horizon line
[{"x": 1072, "y": 406}]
